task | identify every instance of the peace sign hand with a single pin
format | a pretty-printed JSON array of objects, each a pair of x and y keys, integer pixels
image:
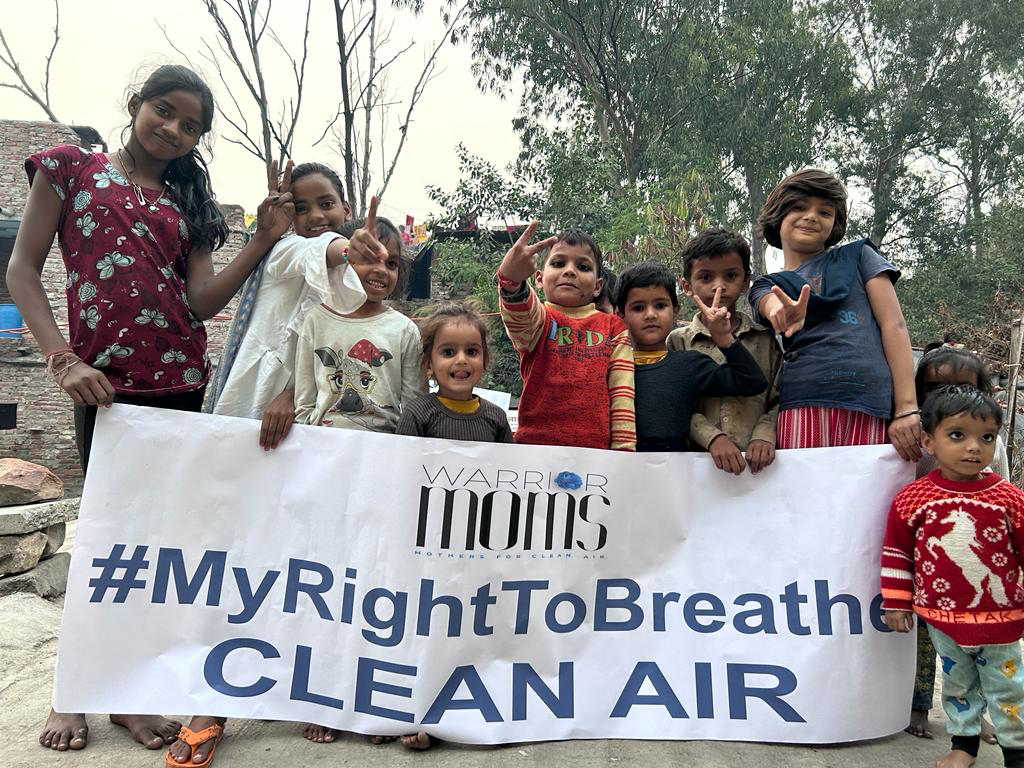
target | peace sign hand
[
  {"x": 786, "y": 316},
  {"x": 717, "y": 319},
  {"x": 521, "y": 260},
  {"x": 364, "y": 247},
  {"x": 277, "y": 211}
]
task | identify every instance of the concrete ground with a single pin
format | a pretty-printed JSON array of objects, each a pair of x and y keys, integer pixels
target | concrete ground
[{"x": 28, "y": 647}]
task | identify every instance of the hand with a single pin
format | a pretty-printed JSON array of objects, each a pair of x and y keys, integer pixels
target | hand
[
  {"x": 277, "y": 420},
  {"x": 717, "y": 319},
  {"x": 521, "y": 260},
  {"x": 760, "y": 453},
  {"x": 899, "y": 621},
  {"x": 88, "y": 386},
  {"x": 364, "y": 247},
  {"x": 726, "y": 455},
  {"x": 785, "y": 315},
  {"x": 905, "y": 435},
  {"x": 275, "y": 214}
]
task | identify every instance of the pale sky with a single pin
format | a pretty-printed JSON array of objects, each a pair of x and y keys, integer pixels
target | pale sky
[{"x": 103, "y": 44}]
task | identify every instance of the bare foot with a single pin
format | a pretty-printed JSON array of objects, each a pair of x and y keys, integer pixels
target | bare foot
[
  {"x": 151, "y": 731},
  {"x": 321, "y": 734},
  {"x": 988, "y": 732},
  {"x": 382, "y": 739},
  {"x": 180, "y": 751},
  {"x": 416, "y": 741},
  {"x": 63, "y": 732},
  {"x": 918, "y": 724},
  {"x": 956, "y": 759}
]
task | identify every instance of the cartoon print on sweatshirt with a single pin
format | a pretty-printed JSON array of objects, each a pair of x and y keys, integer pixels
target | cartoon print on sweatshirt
[{"x": 353, "y": 379}]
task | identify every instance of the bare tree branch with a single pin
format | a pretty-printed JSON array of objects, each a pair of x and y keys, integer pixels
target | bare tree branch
[{"x": 8, "y": 59}]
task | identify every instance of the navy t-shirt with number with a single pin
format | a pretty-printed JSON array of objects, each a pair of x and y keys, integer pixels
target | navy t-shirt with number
[{"x": 839, "y": 362}]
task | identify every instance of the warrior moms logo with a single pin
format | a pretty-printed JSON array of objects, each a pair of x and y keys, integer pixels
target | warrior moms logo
[{"x": 476, "y": 510}]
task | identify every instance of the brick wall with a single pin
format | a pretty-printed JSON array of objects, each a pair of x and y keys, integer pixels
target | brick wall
[{"x": 45, "y": 432}]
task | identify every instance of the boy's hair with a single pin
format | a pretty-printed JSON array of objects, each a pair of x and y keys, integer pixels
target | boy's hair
[
  {"x": 578, "y": 237},
  {"x": 608, "y": 286},
  {"x": 956, "y": 399},
  {"x": 449, "y": 313},
  {"x": 642, "y": 275},
  {"x": 308, "y": 169},
  {"x": 810, "y": 182},
  {"x": 385, "y": 231},
  {"x": 956, "y": 360},
  {"x": 712, "y": 243}
]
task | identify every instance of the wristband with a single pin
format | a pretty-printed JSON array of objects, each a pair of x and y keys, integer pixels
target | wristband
[
  {"x": 908, "y": 413},
  {"x": 507, "y": 285}
]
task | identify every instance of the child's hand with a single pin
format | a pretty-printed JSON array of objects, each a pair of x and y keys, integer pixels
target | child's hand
[
  {"x": 726, "y": 455},
  {"x": 276, "y": 213},
  {"x": 521, "y": 260},
  {"x": 717, "y": 319},
  {"x": 87, "y": 385},
  {"x": 899, "y": 621},
  {"x": 785, "y": 315},
  {"x": 277, "y": 420},
  {"x": 760, "y": 453},
  {"x": 905, "y": 436},
  {"x": 364, "y": 247}
]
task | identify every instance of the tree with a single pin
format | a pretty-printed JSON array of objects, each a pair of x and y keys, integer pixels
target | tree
[{"x": 8, "y": 59}]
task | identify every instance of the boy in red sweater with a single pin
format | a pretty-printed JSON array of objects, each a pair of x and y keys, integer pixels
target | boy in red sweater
[
  {"x": 951, "y": 555},
  {"x": 576, "y": 362}
]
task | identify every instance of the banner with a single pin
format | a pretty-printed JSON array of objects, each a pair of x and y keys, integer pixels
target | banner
[{"x": 482, "y": 593}]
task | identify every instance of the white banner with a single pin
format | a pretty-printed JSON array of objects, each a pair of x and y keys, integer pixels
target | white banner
[{"x": 482, "y": 593}]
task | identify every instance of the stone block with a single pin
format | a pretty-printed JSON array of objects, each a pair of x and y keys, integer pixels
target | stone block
[
  {"x": 48, "y": 579},
  {"x": 54, "y": 538},
  {"x": 22, "y": 482},
  {"x": 21, "y": 552},
  {"x": 27, "y": 518}
]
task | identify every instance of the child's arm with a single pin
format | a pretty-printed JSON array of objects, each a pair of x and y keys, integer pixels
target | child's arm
[
  {"x": 305, "y": 373},
  {"x": 898, "y": 570},
  {"x": 761, "y": 448},
  {"x": 784, "y": 314},
  {"x": 622, "y": 393},
  {"x": 83, "y": 383},
  {"x": 739, "y": 374},
  {"x": 413, "y": 383},
  {"x": 905, "y": 428},
  {"x": 278, "y": 417},
  {"x": 521, "y": 311}
]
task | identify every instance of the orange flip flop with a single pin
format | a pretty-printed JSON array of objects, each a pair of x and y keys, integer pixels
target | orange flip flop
[{"x": 194, "y": 739}]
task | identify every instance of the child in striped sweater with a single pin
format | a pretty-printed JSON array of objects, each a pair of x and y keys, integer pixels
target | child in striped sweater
[{"x": 576, "y": 362}]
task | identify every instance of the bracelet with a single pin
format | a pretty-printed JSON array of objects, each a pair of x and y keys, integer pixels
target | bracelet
[
  {"x": 59, "y": 362},
  {"x": 908, "y": 413},
  {"x": 507, "y": 285}
]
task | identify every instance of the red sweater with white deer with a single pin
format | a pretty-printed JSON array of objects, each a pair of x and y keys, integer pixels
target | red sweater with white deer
[{"x": 951, "y": 555}]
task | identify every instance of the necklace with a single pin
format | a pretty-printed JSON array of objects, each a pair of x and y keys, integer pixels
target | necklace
[{"x": 139, "y": 195}]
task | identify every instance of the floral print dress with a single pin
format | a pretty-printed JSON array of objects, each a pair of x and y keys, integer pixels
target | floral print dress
[{"x": 128, "y": 313}]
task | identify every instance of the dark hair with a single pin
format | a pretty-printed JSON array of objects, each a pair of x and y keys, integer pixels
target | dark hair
[
  {"x": 609, "y": 281},
  {"x": 385, "y": 231},
  {"x": 956, "y": 360},
  {"x": 642, "y": 275},
  {"x": 188, "y": 177},
  {"x": 309, "y": 169},
  {"x": 713, "y": 243},
  {"x": 810, "y": 182},
  {"x": 956, "y": 399},
  {"x": 451, "y": 313},
  {"x": 578, "y": 237}
]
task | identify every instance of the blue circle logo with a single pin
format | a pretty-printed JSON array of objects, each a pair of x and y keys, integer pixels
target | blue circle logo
[{"x": 568, "y": 481}]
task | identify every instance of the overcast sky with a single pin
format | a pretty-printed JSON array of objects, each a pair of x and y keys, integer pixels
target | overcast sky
[{"x": 105, "y": 45}]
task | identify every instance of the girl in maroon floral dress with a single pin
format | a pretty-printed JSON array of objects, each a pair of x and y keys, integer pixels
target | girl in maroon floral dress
[{"x": 136, "y": 230}]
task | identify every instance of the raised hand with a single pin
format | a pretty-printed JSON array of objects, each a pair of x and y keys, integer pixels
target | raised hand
[
  {"x": 277, "y": 211},
  {"x": 717, "y": 319},
  {"x": 786, "y": 316},
  {"x": 364, "y": 247},
  {"x": 521, "y": 260}
]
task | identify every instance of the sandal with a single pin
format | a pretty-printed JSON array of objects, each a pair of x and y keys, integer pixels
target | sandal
[{"x": 194, "y": 739}]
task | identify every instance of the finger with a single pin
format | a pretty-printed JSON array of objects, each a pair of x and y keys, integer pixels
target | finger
[
  {"x": 753, "y": 461},
  {"x": 718, "y": 460},
  {"x": 75, "y": 396},
  {"x": 533, "y": 250},
  {"x": 805, "y": 296},
  {"x": 782, "y": 296},
  {"x": 527, "y": 236},
  {"x": 272, "y": 186},
  {"x": 265, "y": 426},
  {"x": 108, "y": 389},
  {"x": 704, "y": 308},
  {"x": 97, "y": 392},
  {"x": 282, "y": 432},
  {"x": 284, "y": 199},
  {"x": 286, "y": 182},
  {"x": 739, "y": 463},
  {"x": 371, "y": 217},
  {"x": 718, "y": 298}
]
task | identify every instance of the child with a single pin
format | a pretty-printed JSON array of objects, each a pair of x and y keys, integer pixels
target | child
[
  {"x": 136, "y": 229},
  {"x": 256, "y": 375},
  {"x": 667, "y": 383},
  {"x": 606, "y": 298},
  {"x": 718, "y": 259},
  {"x": 455, "y": 356},
  {"x": 576, "y": 363},
  {"x": 847, "y": 366},
  {"x": 944, "y": 366},
  {"x": 357, "y": 370},
  {"x": 951, "y": 556}
]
